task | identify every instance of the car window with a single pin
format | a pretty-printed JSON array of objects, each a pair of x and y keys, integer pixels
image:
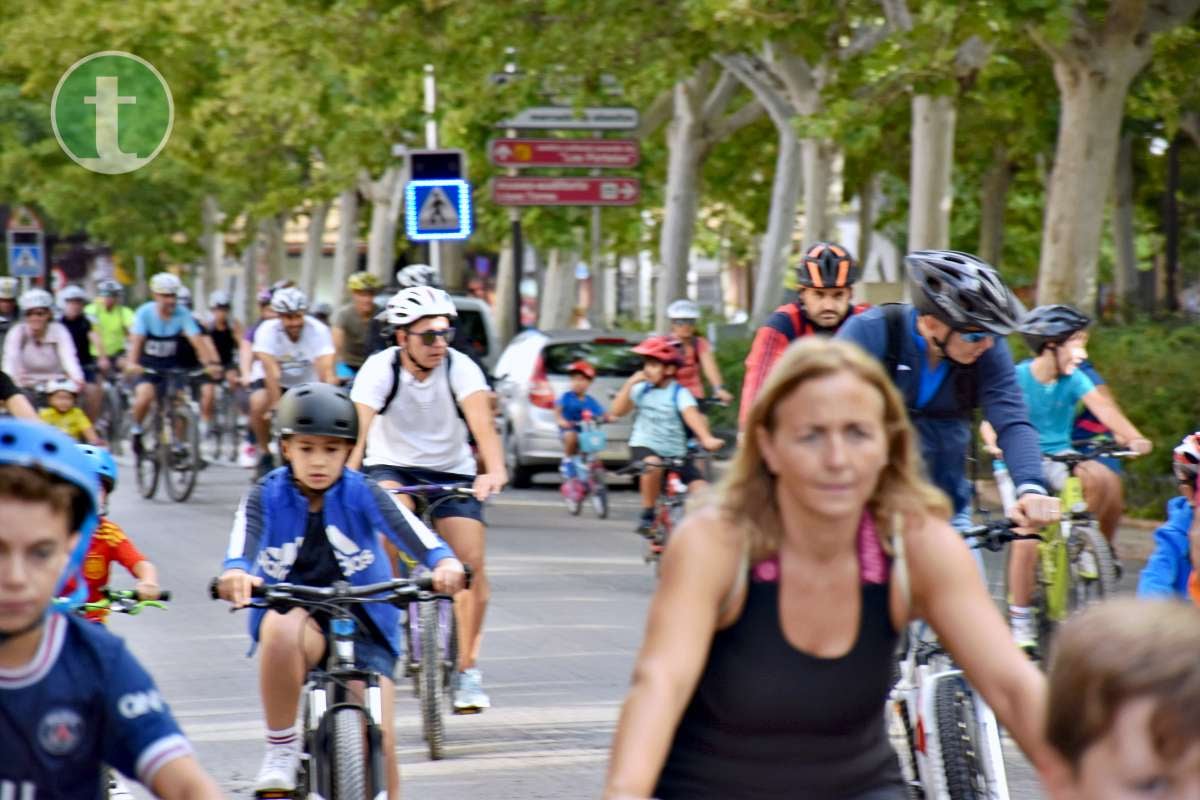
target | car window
[
  {"x": 609, "y": 358},
  {"x": 470, "y": 332}
]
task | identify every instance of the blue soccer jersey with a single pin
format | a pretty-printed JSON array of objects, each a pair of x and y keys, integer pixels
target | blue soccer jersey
[{"x": 83, "y": 701}]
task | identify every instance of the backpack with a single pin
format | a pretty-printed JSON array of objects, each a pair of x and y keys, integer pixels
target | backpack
[
  {"x": 800, "y": 324},
  {"x": 674, "y": 403},
  {"x": 391, "y": 395},
  {"x": 966, "y": 384}
]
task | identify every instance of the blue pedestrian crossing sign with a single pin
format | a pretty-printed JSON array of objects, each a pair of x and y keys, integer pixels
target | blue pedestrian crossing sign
[
  {"x": 437, "y": 209},
  {"x": 25, "y": 260}
]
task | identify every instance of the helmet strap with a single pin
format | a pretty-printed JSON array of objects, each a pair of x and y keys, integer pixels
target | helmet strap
[{"x": 408, "y": 354}]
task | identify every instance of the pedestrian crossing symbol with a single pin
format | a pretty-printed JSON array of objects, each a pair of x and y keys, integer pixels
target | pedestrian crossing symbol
[
  {"x": 25, "y": 261},
  {"x": 437, "y": 209}
]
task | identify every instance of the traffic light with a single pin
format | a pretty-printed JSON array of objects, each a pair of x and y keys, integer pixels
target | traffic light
[{"x": 428, "y": 165}]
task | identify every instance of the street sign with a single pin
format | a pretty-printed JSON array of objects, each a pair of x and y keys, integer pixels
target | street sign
[
  {"x": 26, "y": 245},
  {"x": 566, "y": 191},
  {"x": 566, "y": 118},
  {"x": 25, "y": 260},
  {"x": 585, "y": 153},
  {"x": 437, "y": 209},
  {"x": 428, "y": 165}
]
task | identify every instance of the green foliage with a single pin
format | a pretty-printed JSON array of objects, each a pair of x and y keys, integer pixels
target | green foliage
[{"x": 731, "y": 355}]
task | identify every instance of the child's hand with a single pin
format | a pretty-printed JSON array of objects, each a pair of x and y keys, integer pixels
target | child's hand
[
  {"x": 724, "y": 396},
  {"x": 994, "y": 450},
  {"x": 566, "y": 425},
  {"x": 146, "y": 590},
  {"x": 712, "y": 443},
  {"x": 636, "y": 377},
  {"x": 1140, "y": 445},
  {"x": 449, "y": 577},
  {"x": 234, "y": 585}
]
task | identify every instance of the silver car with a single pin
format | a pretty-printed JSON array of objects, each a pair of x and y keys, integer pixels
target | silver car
[{"x": 531, "y": 376}]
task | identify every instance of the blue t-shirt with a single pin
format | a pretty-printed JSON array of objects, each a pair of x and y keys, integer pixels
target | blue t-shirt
[
  {"x": 147, "y": 322},
  {"x": 83, "y": 700},
  {"x": 659, "y": 421},
  {"x": 1052, "y": 405},
  {"x": 573, "y": 406}
]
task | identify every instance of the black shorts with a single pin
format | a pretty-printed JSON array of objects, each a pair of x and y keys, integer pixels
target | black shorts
[
  {"x": 688, "y": 474},
  {"x": 451, "y": 506}
]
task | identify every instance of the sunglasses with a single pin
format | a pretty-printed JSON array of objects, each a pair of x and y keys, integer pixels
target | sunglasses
[
  {"x": 38, "y": 312},
  {"x": 691, "y": 322},
  {"x": 429, "y": 337},
  {"x": 975, "y": 337}
]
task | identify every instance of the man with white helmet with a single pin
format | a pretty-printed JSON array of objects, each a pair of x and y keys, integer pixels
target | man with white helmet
[
  {"x": 352, "y": 324},
  {"x": 72, "y": 299},
  {"x": 291, "y": 349},
  {"x": 9, "y": 287},
  {"x": 158, "y": 327},
  {"x": 696, "y": 351},
  {"x": 38, "y": 350},
  {"x": 113, "y": 322},
  {"x": 416, "y": 403}
]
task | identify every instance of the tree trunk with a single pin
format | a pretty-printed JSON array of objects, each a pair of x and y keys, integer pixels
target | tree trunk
[
  {"x": 866, "y": 219},
  {"x": 781, "y": 224},
  {"x": 275, "y": 255},
  {"x": 931, "y": 192},
  {"x": 214, "y": 245},
  {"x": 384, "y": 196},
  {"x": 314, "y": 248},
  {"x": 992, "y": 203},
  {"x": 1125, "y": 273},
  {"x": 244, "y": 300},
  {"x": 345, "y": 256},
  {"x": 505, "y": 314},
  {"x": 684, "y": 149},
  {"x": 558, "y": 291},
  {"x": 1092, "y": 91},
  {"x": 817, "y": 157},
  {"x": 1171, "y": 228}
]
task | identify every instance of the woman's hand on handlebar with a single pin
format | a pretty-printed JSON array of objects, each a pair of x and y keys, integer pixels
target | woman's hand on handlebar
[
  {"x": 723, "y": 395},
  {"x": 235, "y": 586},
  {"x": 488, "y": 484},
  {"x": 1035, "y": 510},
  {"x": 449, "y": 577}
]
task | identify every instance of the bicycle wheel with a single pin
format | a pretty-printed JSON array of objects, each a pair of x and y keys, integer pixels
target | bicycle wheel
[
  {"x": 182, "y": 454},
  {"x": 599, "y": 493},
  {"x": 431, "y": 682},
  {"x": 1098, "y": 580},
  {"x": 449, "y": 626},
  {"x": 957, "y": 734},
  {"x": 146, "y": 457},
  {"x": 111, "y": 425},
  {"x": 572, "y": 492},
  {"x": 228, "y": 416},
  {"x": 349, "y": 755},
  {"x": 412, "y": 649}
]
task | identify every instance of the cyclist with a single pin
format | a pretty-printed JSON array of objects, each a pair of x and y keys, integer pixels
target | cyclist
[
  {"x": 1169, "y": 567},
  {"x": 12, "y": 401},
  {"x": 413, "y": 400},
  {"x": 825, "y": 275},
  {"x": 62, "y": 413},
  {"x": 38, "y": 349},
  {"x": 158, "y": 327},
  {"x": 418, "y": 275},
  {"x": 770, "y": 642},
  {"x": 569, "y": 411},
  {"x": 666, "y": 415},
  {"x": 323, "y": 312},
  {"x": 68, "y": 688},
  {"x": 352, "y": 323},
  {"x": 248, "y": 457},
  {"x": 85, "y": 336},
  {"x": 225, "y": 332},
  {"x": 9, "y": 287},
  {"x": 697, "y": 353},
  {"x": 946, "y": 354},
  {"x": 314, "y": 522},
  {"x": 114, "y": 322}
]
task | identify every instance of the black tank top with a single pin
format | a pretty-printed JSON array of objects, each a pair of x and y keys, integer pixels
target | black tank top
[
  {"x": 223, "y": 341},
  {"x": 769, "y": 722}
]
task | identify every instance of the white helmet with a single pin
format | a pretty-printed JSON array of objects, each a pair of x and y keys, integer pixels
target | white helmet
[
  {"x": 418, "y": 275},
  {"x": 61, "y": 385},
  {"x": 289, "y": 300},
  {"x": 219, "y": 298},
  {"x": 8, "y": 288},
  {"x": 72, "y": 292},
  {"x": 417, "y": 302},
  {"x": 184, "y": 295},
  {"x": 683, "y": 309},
  {"x": 35, "y": 298},
  {"x": 165, "y": 283}
]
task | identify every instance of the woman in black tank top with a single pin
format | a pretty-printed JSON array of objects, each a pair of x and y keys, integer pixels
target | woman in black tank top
[{"x": 768, "y": 652}]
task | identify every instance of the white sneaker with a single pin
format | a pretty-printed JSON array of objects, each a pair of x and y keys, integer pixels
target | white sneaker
[
  {"x": 1087, "y": 565},
  {"x": 278, "y": 770},
  {"x": 469, "y": 697},
  {"x": 1024, "y": 632},
  {"x": 248, "y": 455}
]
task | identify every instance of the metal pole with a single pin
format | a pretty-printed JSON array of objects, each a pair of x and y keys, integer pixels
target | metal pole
[{"x": 431, "y": 141}]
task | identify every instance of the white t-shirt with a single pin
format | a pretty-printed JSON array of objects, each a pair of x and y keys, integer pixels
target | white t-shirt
[
  {"x": 295, "y": 358},
  {"x": 421, "y": 427}
]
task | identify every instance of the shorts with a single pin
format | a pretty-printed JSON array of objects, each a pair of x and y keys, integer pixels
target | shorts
[
  {"x": 258, "y": 384},
  {"x": 688, "y": 474},
  {"x": 90, "y": 371},
  {"x": 575, "y": 428},
  {"x": 370, "y": 653},
  {"x": 454, "y": 506}
]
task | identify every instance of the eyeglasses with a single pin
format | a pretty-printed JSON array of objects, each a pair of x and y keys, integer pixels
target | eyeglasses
[
  {"x": 429, "y": 337},
  {"x": 975, "y": 337},
  {"x": 683, "y": 322}
]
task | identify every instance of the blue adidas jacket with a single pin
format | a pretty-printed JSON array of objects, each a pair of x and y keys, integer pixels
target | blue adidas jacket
[
  {"x": 1167, "y": 571},
  {"x": 944, "y": 430},
  {"x": 270, "y": 524}
]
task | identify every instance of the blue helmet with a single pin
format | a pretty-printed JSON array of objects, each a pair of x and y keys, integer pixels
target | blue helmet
[{"x": 103, "y": 463}]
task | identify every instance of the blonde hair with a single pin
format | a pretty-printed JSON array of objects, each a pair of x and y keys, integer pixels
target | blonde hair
[{"x": 746, "y": 495}]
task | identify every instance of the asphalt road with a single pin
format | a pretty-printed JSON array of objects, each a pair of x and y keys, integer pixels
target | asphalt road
[{"x": 569, "y": 602}]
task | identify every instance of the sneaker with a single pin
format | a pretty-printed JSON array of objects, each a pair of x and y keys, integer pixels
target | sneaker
[
  {"x": 278, "y": 770},
  {"x": 266, "y": 463},
  {"x": 1087, "y": 568},
  {"x": 645, "y": 526},
  {"x": 469, "y": 697},
  {"x": 566, "y": 468},
  {"x": 247, "y": 455},
  {"x": 1024, "y": 631}
]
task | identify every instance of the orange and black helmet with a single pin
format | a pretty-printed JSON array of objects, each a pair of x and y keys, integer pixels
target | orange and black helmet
[{"x": 827, "y": 265}]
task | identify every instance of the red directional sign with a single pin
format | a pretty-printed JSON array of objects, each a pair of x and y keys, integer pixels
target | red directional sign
[
  {"x": 588, "y": 153},
  {"x": 566, "y": 191}
]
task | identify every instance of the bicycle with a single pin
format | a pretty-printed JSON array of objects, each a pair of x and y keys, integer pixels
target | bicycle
[
  {"x": 223, "y": 435},
  {"x": 589, "y": 479},
  {"x": 431, "y": 635},
  {"x": 113, "y": 424},
  {"x": 952, "y": 740},
  {"x": 342, "y": 755},
  {"x": 170, "y": 441},
  {"x": 668, "y": 506}
]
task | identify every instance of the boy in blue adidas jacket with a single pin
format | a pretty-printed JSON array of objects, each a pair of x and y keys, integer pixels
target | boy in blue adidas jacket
[
  {"x": 1167, "y": 571},
  {"x": 314, "y": 522}
]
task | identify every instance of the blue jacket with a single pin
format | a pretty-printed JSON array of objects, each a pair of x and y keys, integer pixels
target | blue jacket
[
  {"x": 1167, "y": 571},
  {"x": 269, "y": 527},
  {"x": 941, "y": 421}
]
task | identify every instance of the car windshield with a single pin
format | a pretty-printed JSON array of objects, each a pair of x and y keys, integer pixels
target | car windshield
[
  {"x": 611, "y": 359},
  {"x": 470, "y": 333}
]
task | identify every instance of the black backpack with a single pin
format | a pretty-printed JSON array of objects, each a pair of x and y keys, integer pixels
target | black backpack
[
  {"x": 397, "y": 366},
  {"x": 966, "y": 383}
]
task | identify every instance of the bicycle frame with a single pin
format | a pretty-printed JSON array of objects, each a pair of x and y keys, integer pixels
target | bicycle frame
[{"x": 1053, "y": 555}]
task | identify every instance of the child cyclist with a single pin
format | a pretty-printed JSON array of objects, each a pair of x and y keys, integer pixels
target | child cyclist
[
  {"x": 72, "y": 697},
  {"x": 1053, "y": 386},
  {"x": 665, "y": 413},
  {"x": 63, "y": 414},
  {"x": 1169, "y": 567},
  {"x": 569, "y": 411},
  {"x": 314, "y": 522}
]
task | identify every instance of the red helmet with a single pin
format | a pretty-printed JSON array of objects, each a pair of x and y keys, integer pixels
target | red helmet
[
  {"x": 583, "y": 368},
  {"x": 660, "y": 348}
]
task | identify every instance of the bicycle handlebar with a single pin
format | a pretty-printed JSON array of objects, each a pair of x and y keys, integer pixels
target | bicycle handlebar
[
  {"x": 995, "y": 534},
  {"x": 125, "y": 601},
  {"x": 460, "y": 489},
  {"x": 340, "y": 590},
  {"x": 639, "y": 466}
]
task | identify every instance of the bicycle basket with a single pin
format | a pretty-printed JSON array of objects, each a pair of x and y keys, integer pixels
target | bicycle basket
[{"x": 592, "y": 441}]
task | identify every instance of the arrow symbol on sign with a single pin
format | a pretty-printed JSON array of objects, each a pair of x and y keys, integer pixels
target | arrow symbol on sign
[{"x": 627, "y": 190}]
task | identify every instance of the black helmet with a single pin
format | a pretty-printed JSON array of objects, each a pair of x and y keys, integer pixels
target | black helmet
[
  {"x": 1051, "y": 325},
  {"x": 962, "y": 291},
  {"x": 316, "y": 409},
  {"x": 827, "y": 265}
]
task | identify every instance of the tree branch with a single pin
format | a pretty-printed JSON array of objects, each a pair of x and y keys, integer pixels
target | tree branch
[
  {"x": 656, "y": 115},
  {"x": 972, "y": 54},
  {"x": 727, "y": 126},
  {"x": 897, "y": 14},
  {"x": 801, "y": 80},
  {"x": 865, "y": 40},
  {"x": 1164, "y": 14},
  {"x": 718, "y": 99},
  {"x": 1056, "y": 54},
  {"x": 759, "y": 80},
  {"x": 1189, "y": 123}
]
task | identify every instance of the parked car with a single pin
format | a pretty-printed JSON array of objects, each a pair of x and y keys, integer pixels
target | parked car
[
  {"x": 531, "y": 375},
  {"x": 476, "y": 330}
]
